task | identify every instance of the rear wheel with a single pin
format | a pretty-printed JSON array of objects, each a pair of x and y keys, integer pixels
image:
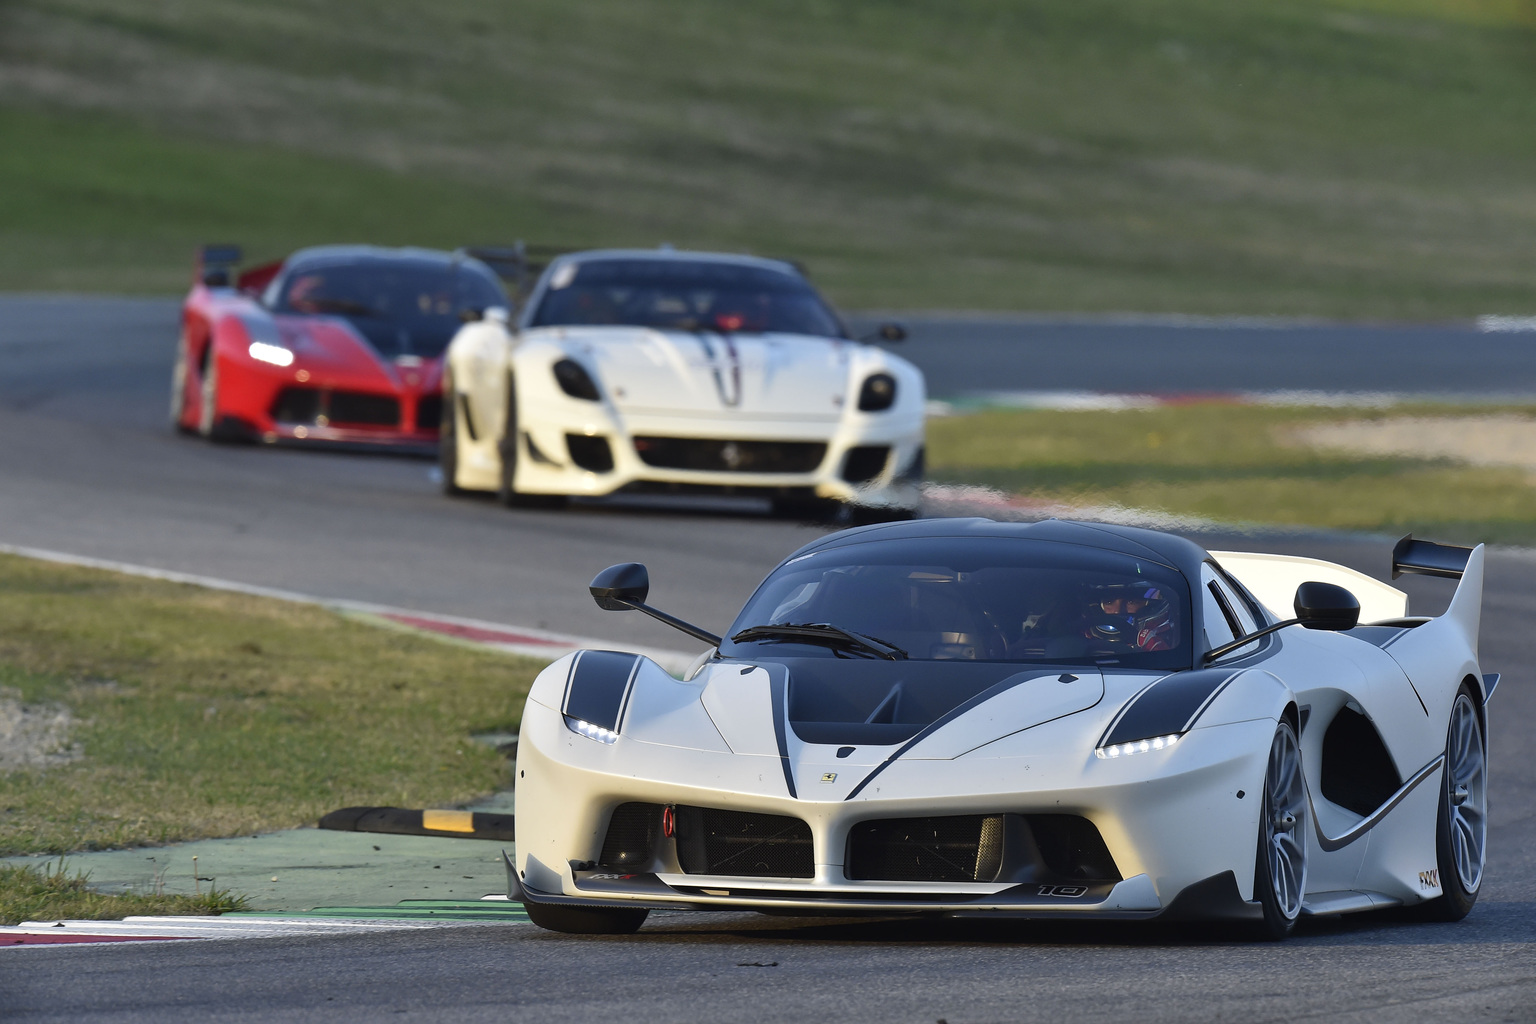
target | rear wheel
[
  {"x": 585, "y": 920},
  {"x": 1280, "y": 874},
  {"x": 1461, "y": 826}
]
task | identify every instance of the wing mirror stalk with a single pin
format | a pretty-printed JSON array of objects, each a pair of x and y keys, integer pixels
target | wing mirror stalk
[
  {"x": 1318, "y": 606},
  {"x": 625, "y": 586},
  {"x": 887, "y": 333}
]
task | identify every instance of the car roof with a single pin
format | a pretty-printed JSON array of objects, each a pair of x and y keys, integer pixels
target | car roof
[
  {"x": 679, "y": 255},
  {"x": 334, "y": 254},
  {"x": 1184, "y": 555}
]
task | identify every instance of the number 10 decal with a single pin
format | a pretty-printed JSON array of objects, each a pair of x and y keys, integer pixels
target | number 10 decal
[{"x": 1069, "y": 891}]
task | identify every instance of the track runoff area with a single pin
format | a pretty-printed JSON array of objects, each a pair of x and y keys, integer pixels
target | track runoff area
[{"x": 101, "y": 477}]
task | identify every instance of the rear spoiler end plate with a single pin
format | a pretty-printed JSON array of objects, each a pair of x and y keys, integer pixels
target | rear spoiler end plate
[{"x": 1426, "y": 558}]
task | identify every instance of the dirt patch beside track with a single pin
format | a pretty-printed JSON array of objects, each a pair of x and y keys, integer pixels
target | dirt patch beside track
[
  {"x": 1504, "y": 439},
  {"x": 34, "y": 735}
]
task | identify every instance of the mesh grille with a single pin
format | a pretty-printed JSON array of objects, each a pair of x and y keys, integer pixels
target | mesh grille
[
  {"x": 964, "y": 848},
  {"x": 980, "y": 848},
  {"x": 356, "y": 407},
  {"x": 308, "y": 405},
  {"x": 632, "y": 834},
  {"x": 730, "y": 456},
  {"x": 714, "y": 842}
]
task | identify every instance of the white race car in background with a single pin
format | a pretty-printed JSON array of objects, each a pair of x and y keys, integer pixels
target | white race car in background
[
  {"x": 963, "y": 717},
  {"x": 680, "y": 372}
]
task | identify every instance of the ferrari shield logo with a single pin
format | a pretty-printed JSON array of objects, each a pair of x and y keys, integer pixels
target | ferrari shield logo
[{"x": 829, "y": 776}]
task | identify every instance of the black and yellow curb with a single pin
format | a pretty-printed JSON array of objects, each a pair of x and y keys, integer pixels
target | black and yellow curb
[{"x": 402, "y": 821}]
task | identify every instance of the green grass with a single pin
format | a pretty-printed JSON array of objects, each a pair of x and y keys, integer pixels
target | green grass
[
  {"x": 1231, "y": 463},
  {"x": 52, "y": 893},
  {"x": 1359, "y": 158},
  {"x": 205, "y": 714}
]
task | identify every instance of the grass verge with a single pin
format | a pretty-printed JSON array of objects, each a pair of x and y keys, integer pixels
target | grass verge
[
  {"x": 1233, "y": 464},
  {"x": 1325, "y": 157},
  {"x": 52, "y": 892},
  {"x": 203, "y": 714}
]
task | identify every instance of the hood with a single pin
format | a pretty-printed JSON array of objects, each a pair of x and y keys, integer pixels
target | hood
[
  {"x": 709, "y": 374},
  {"x": 330, "y": 345}
]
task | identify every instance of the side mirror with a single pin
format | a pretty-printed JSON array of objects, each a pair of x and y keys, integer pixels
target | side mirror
[
  {"x": 1326, "y": 606},
  {"x": 216, "y": 277},
  {"x": 498, "y": 314},
  {"x": 887, "y": 332},
  {"x": 620, "y": 587}
]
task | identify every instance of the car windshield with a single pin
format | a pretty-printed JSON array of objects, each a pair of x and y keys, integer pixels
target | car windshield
[
  {"x": 972, "y": 599},
  {"x": 683, "y": 295},
  {"x": 403, "y": 307}
]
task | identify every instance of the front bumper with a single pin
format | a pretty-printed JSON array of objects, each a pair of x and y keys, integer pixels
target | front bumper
[
  {"x": 574, "y": 448},
  {"x": 1172, "y": 824}
]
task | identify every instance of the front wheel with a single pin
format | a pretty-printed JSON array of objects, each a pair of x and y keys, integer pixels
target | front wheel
[
  {"x": 585, "y": 920},
  {"x": 507, "y": 493},
  {"x": 1280, "y": 874},
  {"x": 448, "y": 438},
  {"x": 1461, "y": 826}
]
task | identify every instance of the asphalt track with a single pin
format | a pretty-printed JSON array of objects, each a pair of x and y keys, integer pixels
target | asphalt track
[{"x": 90, "y": 467}]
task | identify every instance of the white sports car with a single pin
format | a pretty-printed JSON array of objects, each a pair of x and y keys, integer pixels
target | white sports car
[
  {"x": 680, "y": 372},
  {"x": 962, "y": 717}
]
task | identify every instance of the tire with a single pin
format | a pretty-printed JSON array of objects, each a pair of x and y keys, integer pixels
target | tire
[
  {"x": 585, "y": 920},
  {"x": 1280, "y": 871},
  {"x": 819, "y": 511},
  {"x": 506, "y": 448},
  {"x": 179, "y": 390},
  {"x": 208, "y": 411},
  {"x": 448, "y": 438},
  {"x": 1461, "y": 824}
]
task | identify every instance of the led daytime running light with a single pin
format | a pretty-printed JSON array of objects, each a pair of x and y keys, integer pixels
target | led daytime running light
[
  {"x": 590, "y": 731},
  {"x": 274, "y": 354},
  {"x": 1137, "y": 746}
]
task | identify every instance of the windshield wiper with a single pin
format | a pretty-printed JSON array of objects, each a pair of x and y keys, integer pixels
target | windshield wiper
[{"x": 822, "y": 633}]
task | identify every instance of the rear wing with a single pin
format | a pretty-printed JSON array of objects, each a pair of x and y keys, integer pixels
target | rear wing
[
  {"x": 1426, "y": 558},
  {"x": 518, "y": 264},
  {"x": 215, "y": 263}
]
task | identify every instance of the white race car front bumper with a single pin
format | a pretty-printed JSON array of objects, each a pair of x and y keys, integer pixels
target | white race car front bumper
[{"x": 1172, "y": 821}]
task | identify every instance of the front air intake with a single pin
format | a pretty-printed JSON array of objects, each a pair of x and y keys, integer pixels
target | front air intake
[
  {"x": 979, "y": 848},
  {"x": 962, "y": 848},
  {"x": 743, "y": 843},
  {"x": 633, "y": 830}
]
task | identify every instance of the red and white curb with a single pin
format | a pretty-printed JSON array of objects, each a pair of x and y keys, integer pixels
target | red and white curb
[
  {"x": 158, "y": 929},
  {"x": 526, "y": 641},
  {"x": 491, "y": 910}
]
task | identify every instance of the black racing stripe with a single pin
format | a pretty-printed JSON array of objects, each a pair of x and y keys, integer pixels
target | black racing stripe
[
  {"x": 1168, "y": 706},
  {"x": 598, "y": 687},
  {"x": 985, "y": 695},
  {"x": 778, "y": 693}
]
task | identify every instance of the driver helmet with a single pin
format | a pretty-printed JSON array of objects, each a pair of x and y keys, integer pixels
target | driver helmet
[{"x": 1125, "y": 614}]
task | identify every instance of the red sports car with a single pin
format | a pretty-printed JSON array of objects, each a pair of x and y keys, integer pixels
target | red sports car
[{"x": 334, "y": 344}]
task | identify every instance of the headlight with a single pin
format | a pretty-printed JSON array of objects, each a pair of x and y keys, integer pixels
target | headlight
[
  {"x": 574, "y": 380},
  {"x": 878, "y": 392},
  {"x": 274, "y": 354},
  {"x": 1137, "y": 746},
  {"x": 590, "y": 731}
]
